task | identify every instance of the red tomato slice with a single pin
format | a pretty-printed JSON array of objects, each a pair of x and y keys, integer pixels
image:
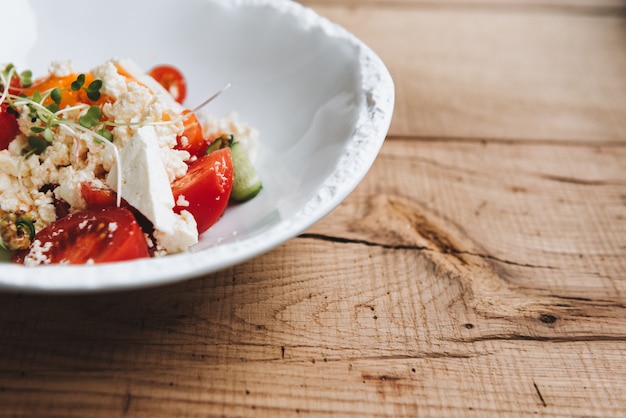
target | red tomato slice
[
  {"x": 206, "y": 186},
  {"x": 172, "y": 79},
  {"x": 192, "y": 139},
  {"x": 8, "y": 127},
  {"x": 96, "y": 197},
  {"x": 15, "y": 86},
  {"x": 98, "y": 235}
]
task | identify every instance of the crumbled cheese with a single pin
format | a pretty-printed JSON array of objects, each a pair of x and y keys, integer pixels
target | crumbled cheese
[
  {"x": 37, "y": 254},
  {"x": 248, "y": 136},
  {"x": 183, "y": 233},
  {"x": 149, "y": 240},
  {"x": 114, "y": 84},
  {"x": 181, "y": 201},
  {"x": 157, "y": 89},
  {"x": 61, "y": 68},
  {"x": 69, "y": 187}
]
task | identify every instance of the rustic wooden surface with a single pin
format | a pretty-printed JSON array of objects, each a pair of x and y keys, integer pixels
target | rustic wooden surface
[{"x": 478, "y": 270}]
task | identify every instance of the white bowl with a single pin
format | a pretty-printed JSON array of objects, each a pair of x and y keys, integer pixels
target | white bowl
[{"x": 321, "y": 99}]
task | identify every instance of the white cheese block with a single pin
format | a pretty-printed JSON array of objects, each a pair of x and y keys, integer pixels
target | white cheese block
[{"x": 146, "y": 186}]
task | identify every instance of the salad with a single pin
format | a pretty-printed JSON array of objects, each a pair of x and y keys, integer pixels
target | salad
[{"x": 110, "y": 165}]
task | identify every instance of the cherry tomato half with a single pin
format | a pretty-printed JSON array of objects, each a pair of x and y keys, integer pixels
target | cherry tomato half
[
  {"x": 172, "y": 80},
  {"x": 206, "y": 187},
  {"x": 192, "y": 140},
  {"x": 96, "y": 197},
  {"x": 15, "y": 86},
  {"x": 92, "y": 235},
  {"x": 8, "y": 127}
]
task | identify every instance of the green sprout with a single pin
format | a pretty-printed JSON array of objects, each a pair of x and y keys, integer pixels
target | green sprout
[
  {"x": 92, "y": 90},
  {"x": 25, "y": 77},
  {"x": 91, "y": 118}
]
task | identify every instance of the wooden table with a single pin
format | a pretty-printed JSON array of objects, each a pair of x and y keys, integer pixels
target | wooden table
[{"x": 478, "y": 270}]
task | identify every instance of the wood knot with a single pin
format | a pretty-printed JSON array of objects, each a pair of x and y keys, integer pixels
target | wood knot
[{"x": 548, "y": 319}]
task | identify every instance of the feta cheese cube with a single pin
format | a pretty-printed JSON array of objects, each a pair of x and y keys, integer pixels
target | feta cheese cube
[{"x": 146, "y": 186}]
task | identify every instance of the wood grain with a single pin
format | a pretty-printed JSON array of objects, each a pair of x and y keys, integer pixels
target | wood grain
[
  {"x": 493, "y": 73},
  {"x": 561, "y": 6},
  {"x": 557, "y": 209},
  {"x": 478, "y": 270}
]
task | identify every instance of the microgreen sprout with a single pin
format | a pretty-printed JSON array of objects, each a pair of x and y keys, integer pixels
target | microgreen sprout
[
  {"x": 78, "y": 83},
  {"x": 25, "y": 77},
  {"x": 106, "y": 134},
  {"x": 91, "y": 118},
  {"x": 37, "y": 144},
  {"x": 56, "y": 95},
  {"x": 92, "y": 90},
  {"x": 5, "y": 76},
  {"x": 209, "y": 100}
]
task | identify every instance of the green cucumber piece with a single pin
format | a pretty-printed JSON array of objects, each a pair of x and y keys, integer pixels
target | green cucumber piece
[{"x": 246, "y": 181}]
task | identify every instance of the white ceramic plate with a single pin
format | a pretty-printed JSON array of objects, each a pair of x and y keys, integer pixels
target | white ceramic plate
[{"x": 320, "y": 98}]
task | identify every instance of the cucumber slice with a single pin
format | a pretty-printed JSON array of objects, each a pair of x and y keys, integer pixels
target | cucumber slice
[{"x": 246, "y": 181}]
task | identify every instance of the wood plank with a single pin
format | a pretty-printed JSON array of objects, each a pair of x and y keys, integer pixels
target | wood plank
[
  {"x": 428, "y": 292},
  {"x": 588, "y": 6},
  {"x": 497, "y": 73},
  {"x": 325, "y": 342},
  {"x": 545, "y": 216}
]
